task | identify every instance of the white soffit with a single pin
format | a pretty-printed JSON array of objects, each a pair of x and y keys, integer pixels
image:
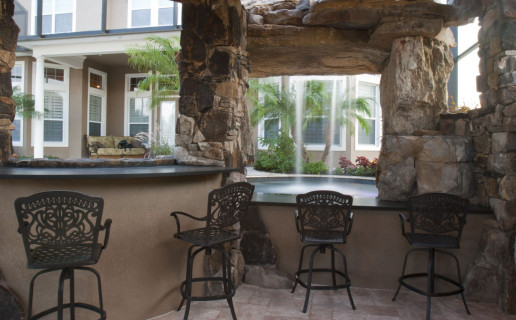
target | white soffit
[{"x": 83, "y": 46}]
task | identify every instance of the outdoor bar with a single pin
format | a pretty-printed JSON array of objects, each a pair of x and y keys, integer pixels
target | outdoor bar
[
  {"x": 143, "y": 265},
  {"x": 424, "y": 148}
]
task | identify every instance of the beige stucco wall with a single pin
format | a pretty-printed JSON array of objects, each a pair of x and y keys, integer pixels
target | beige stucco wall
[
  {"x": 88, "y": 15},
  {"x": 375, "y": 248},
  {"x": 117, "y": 14},
  {"x": 143, "y": 265}
]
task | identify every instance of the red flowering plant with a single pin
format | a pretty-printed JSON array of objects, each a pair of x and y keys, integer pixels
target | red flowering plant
[{"x": 363, "y": 166}]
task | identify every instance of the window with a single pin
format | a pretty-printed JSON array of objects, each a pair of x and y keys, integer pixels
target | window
[
  {"x": 20, "y": 17},
  {"x": 18, "y": 86},
  {"x": 151, "y": 13},
  {"x": 56, "y": 104},
  {"x": 316, "y": 123},
  {"x": 54, "y": 116},
  {"x": 97, "y": 103},
  {"x": 57, "y": 17},
  {"x": 138, "y": 113},
  {"x": 268, "y": 127},
  {"x": 167, "y": 128},
  {"x": 371, "y": 91}
]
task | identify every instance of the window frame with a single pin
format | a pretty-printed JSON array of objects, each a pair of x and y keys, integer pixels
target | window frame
[
  {"x": 154, "y": 6},
  {"x": 375, "y": 81},
  {"x": 64, "y": 88},
  {"x": 20, "y": 85},
  {"x": 53, "y": 15},
  {"x": 102, "y": 93},
  {"x": 135, "y": 94}
]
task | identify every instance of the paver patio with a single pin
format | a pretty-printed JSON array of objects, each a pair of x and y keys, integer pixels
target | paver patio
[{"x": 255, "y": 303}]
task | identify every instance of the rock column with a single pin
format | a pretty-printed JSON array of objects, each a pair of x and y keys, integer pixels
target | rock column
[
  {"x": 416, "y": 155},
  {"x": 213, "y": 127},
  {"x": 492, "y": 278},
  {"x": 8, "y": 39}
]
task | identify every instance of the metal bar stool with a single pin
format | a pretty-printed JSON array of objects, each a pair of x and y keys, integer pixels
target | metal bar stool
[
  {"x": 323, "y": 219},
  {"x": 60, "y": 231},
  {"x": 436, "y": 221},
  {"x": 226, "y": 207}
]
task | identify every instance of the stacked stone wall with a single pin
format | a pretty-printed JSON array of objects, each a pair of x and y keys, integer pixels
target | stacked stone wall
[
  {"x": 493, "y": 131},
  {"x": 8, "y": 39},
  {"x": 213, "y": 127},
  {"x": 421, "y": 152}
]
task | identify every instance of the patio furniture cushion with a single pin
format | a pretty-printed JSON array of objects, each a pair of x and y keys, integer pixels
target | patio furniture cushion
[{"x": 107, "y": 147}]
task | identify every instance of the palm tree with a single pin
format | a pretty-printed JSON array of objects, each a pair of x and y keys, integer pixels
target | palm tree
[
  {"x": 157, "y": 58},
  {"x": 272, "y": 102},
  {"x": 347, "y": 111}
]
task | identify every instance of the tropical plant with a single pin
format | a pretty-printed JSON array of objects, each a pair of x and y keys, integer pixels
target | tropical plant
[
  {"x": 347, "y": 111},
  {"x": 158, "y": 59},
  {"x": 272, "y": 102},
  {"x": 158, "y": 143},
  {"x": 280, "y": 156},
  {"x": 318, "y": 167},
  {"x": 25, "y": 104}
]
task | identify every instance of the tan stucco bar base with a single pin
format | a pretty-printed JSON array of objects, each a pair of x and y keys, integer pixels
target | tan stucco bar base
[{"x": 143, "y": 265}]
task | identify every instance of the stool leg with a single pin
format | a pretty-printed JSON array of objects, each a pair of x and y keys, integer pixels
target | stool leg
[
  {"x": 309, "y": 281},
  {"x": 402, "y": 274},
  {"x": 348, "y": 282},
  {"x": 334, "y": 278},
  {"x": 72, "y": 294},
  {"x": 299, "y": 268},
  {"x": 226, "y": 279},
  {"x": 430, "y": 281},
  {"x": 188, "y": 289},
  {"x": 62, "y": 277},
  {"x": 460, "y": 277}
]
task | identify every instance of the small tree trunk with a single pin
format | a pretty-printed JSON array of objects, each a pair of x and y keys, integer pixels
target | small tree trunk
[{"x": 326, "y": 146}]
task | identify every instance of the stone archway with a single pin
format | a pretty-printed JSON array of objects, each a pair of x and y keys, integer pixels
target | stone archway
[{"x": 406, "y": 41}]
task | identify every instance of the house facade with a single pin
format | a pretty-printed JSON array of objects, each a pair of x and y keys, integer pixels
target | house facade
[{"x": 71, "y": 58}]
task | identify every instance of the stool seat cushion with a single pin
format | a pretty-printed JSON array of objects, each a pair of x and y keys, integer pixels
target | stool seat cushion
[{"x": 426, "y": 240}]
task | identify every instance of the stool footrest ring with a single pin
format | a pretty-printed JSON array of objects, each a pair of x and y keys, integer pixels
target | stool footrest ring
[
  {"x": 402, "y": 281},
  {"x": 80, "y": 305},
  {"x": 322, "y": 287},
  {"x": 230, "y": 294}
]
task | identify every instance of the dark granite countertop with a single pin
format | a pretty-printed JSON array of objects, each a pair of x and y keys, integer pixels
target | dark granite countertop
[{"x": 109, "y": 173}]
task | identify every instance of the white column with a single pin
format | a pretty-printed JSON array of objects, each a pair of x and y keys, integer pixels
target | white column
[{"x": 39, "y": 106}]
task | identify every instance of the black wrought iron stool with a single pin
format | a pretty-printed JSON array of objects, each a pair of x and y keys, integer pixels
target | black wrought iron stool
[
  {"x": 60, "y": 231},
  {"x": 226, "y": 207},
  {"x": 324, "y": 219},
  {"x": 436, "y": 221}
]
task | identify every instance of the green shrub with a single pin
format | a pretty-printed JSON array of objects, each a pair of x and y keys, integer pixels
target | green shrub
[
  {"x": 361, "y": 171},
  {"x": 318, "y": 167},
  {"x": 280, "y": 156},
  {"x": 338, "y": 171}
]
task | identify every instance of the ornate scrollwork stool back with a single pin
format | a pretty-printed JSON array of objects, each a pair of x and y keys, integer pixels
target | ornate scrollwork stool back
[
  {"x": 60, "y": 231},
  {"x": 226, "y": 207},
  {"x": 323, "y": 219},
  {"x": 436, "y": 221}
]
